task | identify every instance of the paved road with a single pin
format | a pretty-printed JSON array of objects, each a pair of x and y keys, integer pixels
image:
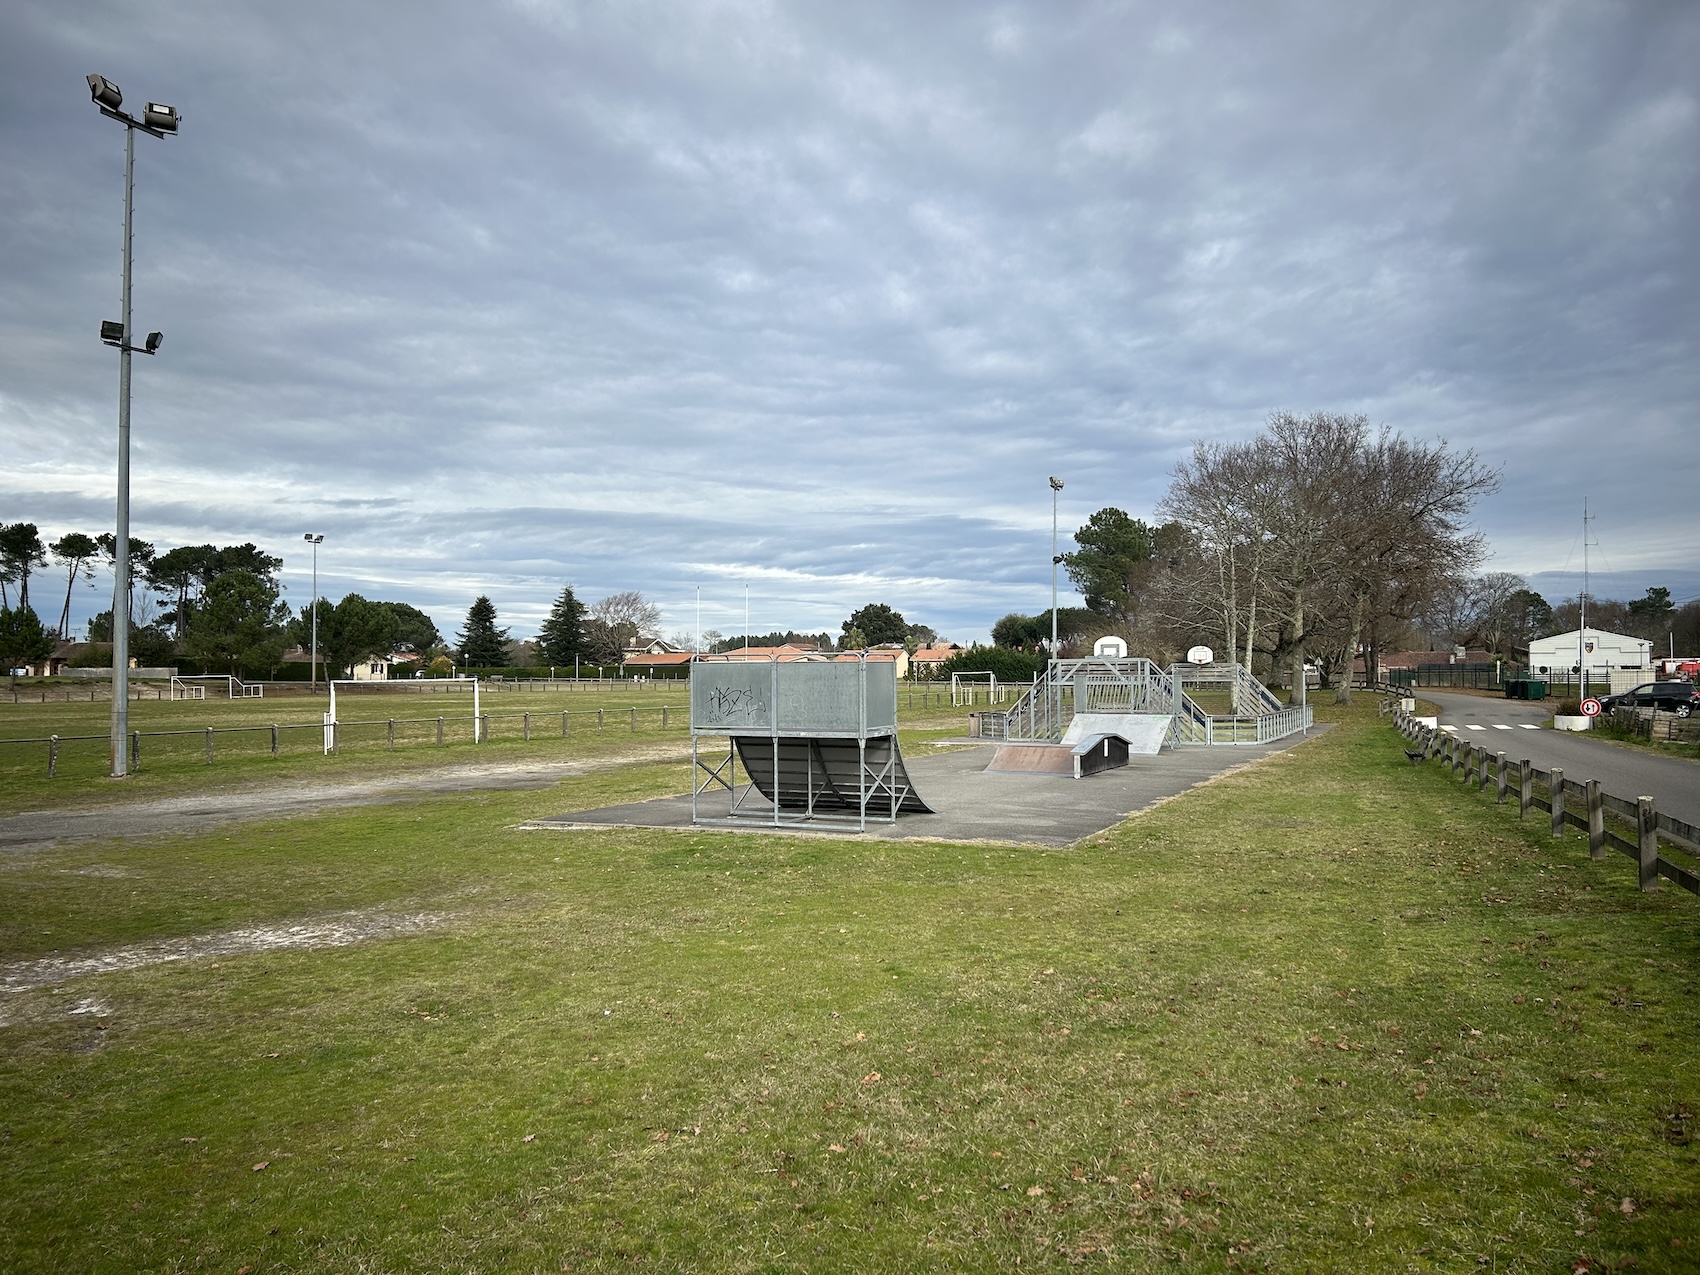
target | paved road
[{"x": 1512, "y": 725}]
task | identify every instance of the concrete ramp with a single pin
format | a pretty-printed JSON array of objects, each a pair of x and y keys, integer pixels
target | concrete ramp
[
  {"x": 1032, "y": 759},
  {"x": 1144, "y": 732}
]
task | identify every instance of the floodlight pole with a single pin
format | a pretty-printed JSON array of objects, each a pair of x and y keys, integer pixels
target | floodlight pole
[
  {"x": 121, "y": 533},
  {"x": 313, "y": 659},
  {"x": 157, "y": 121},
  {"x": 1056, "y": 486}
]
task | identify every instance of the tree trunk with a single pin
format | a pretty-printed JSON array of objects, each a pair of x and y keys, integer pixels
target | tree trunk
[
  {"x": 1344, "y": 694},
  {"x": 1299, "y": 687}
]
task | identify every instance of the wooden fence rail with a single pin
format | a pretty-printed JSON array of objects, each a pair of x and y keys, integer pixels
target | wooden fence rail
[{"x": 1641, "y": 816}]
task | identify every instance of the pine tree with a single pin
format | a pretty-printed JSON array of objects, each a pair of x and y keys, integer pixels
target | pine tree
[
  {"x": 562, "y": 636},
  {"x": 481, "y": 643}
]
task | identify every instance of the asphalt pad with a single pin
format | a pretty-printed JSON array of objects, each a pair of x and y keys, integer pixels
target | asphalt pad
[{"x": 972, "y": 804}]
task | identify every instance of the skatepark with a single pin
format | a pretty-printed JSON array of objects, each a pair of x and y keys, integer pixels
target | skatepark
[{"x": 1095, "y": 741}]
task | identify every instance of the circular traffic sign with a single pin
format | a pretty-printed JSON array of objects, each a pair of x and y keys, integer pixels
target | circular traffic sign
[{"x": 1590, "y": 708}]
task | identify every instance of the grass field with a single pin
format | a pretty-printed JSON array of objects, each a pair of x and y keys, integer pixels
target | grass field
[
  {"x": 1333, "y": 1012},
  {"x": 174, "y": 746}
]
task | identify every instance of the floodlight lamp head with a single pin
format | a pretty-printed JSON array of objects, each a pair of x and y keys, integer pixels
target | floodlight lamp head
[
  {"x": 161, "y": 118},
  {"x": 1056, "y": 559},
  {"x": 112, "y": 332},
  {"x": 310, "y": 538},
  {"x": 154, "y": 338},
  {"x": 105, "y": 92},
  {"x": 1056, "y": 484}
]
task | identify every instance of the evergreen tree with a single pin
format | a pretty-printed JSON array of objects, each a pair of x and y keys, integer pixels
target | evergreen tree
[
  {"x": 481, "y": 643},
  {"x": 875, "y": 625},
  {"x": 240, "y": 624},
  {"x": 23, "y": 641},
  {"x": 562, "y": 636}
]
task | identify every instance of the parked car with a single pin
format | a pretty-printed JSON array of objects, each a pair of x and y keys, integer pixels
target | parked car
[{"x": 1681, "y": 698}]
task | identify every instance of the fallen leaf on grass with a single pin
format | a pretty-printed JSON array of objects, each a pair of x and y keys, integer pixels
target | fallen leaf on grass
[
  {"x": 1627, "y": 1207},
  {"x": 1422, "y": 1091},
  {"x": 261, "y": 1165},
  {"x": 872, "y": 1078},
  {"x": 188, "y": 1139},
  {"x": 1035, "y": 1191},
  {"x": 836, "y": 1147},
  {"x": 530, "y": 1137}
]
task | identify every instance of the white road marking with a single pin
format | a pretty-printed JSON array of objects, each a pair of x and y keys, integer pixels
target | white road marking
[
  {"x": 1453, "y": 729},
  {"x": 1498, "y": 726},
  {"x": 1475, "y": 727},
  {"x": 1528, "y": 726}
]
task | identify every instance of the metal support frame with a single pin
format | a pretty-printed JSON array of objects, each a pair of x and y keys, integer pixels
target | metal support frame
[{"x": 1135, "y": 685}]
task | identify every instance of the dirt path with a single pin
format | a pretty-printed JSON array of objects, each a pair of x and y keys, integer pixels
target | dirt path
[
  {"x": 337, "y": 930},
  {"x": 42, "y": 829}
]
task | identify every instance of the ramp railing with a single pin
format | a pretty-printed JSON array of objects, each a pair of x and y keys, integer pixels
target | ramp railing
[{"x": 1100, "y": 685}]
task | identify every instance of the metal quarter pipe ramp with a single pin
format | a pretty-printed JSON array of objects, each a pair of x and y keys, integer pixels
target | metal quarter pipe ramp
[
  {"x": 816, "y": 775},
  {"x": 816, "y": 735}
]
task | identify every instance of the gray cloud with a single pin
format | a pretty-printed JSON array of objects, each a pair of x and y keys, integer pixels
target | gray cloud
[{"x": 813, "y": 297}]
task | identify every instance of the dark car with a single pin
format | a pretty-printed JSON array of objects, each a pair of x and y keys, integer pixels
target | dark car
[{"x": 1681, "y": 698}]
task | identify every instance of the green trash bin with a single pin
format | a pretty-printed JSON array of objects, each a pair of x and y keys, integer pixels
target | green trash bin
[{"x": 1537, "y": 689}]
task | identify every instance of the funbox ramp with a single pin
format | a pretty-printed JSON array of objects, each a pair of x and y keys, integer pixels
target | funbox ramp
[
  {"x": 1093, "y": 742},
  {"x": 828, "y": 774}
]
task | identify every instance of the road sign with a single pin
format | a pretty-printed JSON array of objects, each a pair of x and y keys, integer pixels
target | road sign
[{"x": 1590, "y": 708}]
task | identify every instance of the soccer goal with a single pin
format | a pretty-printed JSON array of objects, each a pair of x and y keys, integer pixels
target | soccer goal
[
  {"x": 963, "y": 689},
  {"x": 236, "y": 688}
]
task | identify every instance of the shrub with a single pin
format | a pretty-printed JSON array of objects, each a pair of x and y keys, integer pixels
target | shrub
[{"x": 1010, "y": 666}]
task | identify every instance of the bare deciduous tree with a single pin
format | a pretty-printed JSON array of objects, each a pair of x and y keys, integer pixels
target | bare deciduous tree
[{"x": 1314, "y": 533}]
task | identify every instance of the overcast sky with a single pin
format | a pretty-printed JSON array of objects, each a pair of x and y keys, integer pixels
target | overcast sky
[{"x": 813, "y": 297}]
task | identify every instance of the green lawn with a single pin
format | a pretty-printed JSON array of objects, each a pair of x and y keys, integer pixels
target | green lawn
[{"x": 1334, "y": 1012}]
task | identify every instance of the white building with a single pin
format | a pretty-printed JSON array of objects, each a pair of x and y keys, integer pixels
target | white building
[
  {"x": 1601, "y": 652},
  {"x": 374, "y": 668}
]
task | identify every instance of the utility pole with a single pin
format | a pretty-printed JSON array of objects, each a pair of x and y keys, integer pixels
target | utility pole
[{"x": 1582, "y": 623}]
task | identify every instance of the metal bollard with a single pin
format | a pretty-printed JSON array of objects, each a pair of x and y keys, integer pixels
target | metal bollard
[
  {"x": 563, "y": 723},
  {"x": 52, "y": 756},
  {"x": 634, "y": 721},
  {"x": 599, "y": 720},
  {"x": 135, "y": 750},
  {"x": 439, "y": 732},
  {"x": 390, "y": 737},
  {"x": 274, "y": 739},
  {"x": 527, "y": 717},
  {"x": 209, "y": 745},
  {"x": 664, "y": 717}
]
